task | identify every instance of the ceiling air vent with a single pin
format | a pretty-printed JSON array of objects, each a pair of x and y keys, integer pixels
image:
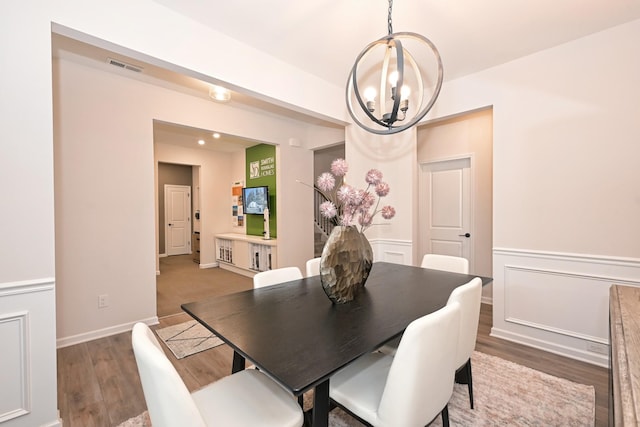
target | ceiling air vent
[{"x": 124, "y": 65}]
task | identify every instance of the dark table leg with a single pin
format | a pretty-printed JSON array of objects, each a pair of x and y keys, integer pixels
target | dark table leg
[
  {"x": 238, "y": 363},
  {"x": 321, "y": 405}
]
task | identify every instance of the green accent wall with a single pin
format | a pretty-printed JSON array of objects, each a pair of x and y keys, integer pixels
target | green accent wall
[{"x": 261, "y": 170}]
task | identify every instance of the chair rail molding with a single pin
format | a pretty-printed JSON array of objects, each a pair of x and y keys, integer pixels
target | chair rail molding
[
  {"x": 26, "y": 287},
  {"x": 558, "y": 302}
]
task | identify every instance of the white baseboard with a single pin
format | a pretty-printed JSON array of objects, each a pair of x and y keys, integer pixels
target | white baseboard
[
  {"x": 101, "y": 333},
  {"x": 234, "y": 269},
  {"x": 562, "y": 350},
  {"x": 162, "y": 255},
  {"x": 56, "y": 423},
  {"x": 210, "y": 265}
]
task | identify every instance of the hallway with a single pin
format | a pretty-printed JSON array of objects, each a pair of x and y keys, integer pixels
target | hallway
[{"x": 181, "y": 280}]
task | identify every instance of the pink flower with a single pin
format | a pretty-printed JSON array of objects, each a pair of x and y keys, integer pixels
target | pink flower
[
  {"x": 339, "y": 167},
  {"x": 373, "y": 177},
  {"x": 388, "y": 212},
  {"x": 344, "y": 193},
  {"x": 326, "y": 182},
  {"x": 382, "y": 189},
  {"x": 328, "y": 209},
  {"x": 348, "y": 205},
  {"x": 365, "y": 219},
  {"x": 357, "y": 197},
  {"x": 367, "y": 201},
  {"x": 346, "y": 219}
]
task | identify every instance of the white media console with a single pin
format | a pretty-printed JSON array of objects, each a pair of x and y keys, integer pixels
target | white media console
[{"x": 245, "y": 254}]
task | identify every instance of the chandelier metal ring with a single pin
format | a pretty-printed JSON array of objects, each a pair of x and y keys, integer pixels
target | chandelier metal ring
[{"x": 387, "y": 121}]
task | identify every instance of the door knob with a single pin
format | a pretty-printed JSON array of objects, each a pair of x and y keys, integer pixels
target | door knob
[
  {"x": 170, "y": 225},
  {"x": 464, "y": 235}
]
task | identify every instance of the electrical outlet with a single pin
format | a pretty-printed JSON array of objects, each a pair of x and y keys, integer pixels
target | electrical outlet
[
  {"x": 103, "y": 301},
  {"x": 596, "y": 347}
]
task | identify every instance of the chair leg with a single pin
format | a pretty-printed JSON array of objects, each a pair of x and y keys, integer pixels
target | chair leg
[
  {"x": 463, "y": 376},
  {"x": 445, "y": 416},
  {"x": 470, "y": 383}
]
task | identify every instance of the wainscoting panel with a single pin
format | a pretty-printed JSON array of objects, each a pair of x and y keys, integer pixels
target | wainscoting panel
[
  {"x": 557, "y": 302},
  {"x": 395, "y": 251},
  {"x": 28, "y": 355},
  {"x": 526, "y": 290},
  {"x": 15, "y": 392}
]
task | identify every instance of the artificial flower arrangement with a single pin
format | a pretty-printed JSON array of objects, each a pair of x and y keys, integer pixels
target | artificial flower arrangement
[{"x": 346, "y": 204}]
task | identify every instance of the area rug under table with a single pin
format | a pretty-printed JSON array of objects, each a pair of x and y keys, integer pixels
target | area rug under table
[
  {"x": 188, "y": 338},
  {"x": 505, "y": 394}
]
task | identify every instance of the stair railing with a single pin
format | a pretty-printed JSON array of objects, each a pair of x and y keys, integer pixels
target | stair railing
[{"x": 323, "y": 223}]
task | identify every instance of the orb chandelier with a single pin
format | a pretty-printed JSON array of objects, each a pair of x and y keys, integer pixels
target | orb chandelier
[{"x": 408, "y": 82}]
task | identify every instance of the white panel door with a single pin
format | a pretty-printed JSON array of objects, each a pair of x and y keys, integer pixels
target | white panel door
[
  {"x": 445, "y": 213},
  {"x": 177, "y": 202}
]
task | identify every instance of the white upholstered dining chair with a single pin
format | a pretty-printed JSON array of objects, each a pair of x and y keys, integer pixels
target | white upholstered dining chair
[
  {"x": 469, "y": 296},
  {"x": 445, "y": 262},
  {"x": 313, "y": 267},
  {"x": 436, "y": 262},
  {"x": 247, "y": 398},
  {"x": 277, "y": 275},
  {"x": 410, "y": 388}
]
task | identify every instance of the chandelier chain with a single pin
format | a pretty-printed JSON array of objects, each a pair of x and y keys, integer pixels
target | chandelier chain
[{"x": 389, "y": 24}]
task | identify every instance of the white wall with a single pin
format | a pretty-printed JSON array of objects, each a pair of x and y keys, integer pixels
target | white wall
[
  {"x": 105, "y": 169},
  {"x": 27, "y": 288},
  {"x": 569, "y": 108},
  {"x": 565, "y": 174},
  {"x": 136, "y": 28},
  {"x": 466, "y": 135},
  {"x": 565, "y": 144},
  {"x": 104, "y": 194},
  {"x": 395, "y": 157}
]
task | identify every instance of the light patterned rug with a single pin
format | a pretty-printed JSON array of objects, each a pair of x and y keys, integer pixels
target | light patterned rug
[
  {"x": 505, "y": 394},
  {"x": 188, "y": 338}
]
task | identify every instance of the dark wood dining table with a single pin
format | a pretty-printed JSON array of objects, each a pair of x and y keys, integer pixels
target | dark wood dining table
[{"x": 295, "y": 334}]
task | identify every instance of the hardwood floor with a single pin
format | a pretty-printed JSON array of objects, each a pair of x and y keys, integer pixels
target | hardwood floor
[{"x": 98, "y": 383}]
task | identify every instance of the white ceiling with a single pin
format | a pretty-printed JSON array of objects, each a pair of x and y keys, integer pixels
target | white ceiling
[{"x": 324, "y": 37}]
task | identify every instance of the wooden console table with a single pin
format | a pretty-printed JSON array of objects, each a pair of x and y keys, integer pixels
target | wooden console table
[{"x": 624, "y": 329}]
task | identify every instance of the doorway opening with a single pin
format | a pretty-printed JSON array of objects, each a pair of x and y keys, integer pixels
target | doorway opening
[{"x": 455, "y": 158}]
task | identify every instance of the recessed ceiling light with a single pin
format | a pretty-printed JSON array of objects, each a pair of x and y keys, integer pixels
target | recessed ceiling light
[
  {"x": 219, "y": 94},
  {"x": 216, "y": 135},
  {"x": 201, "y": 141}
]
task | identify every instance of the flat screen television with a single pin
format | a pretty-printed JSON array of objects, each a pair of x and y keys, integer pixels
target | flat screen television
[{"x": 255, "y": 200}]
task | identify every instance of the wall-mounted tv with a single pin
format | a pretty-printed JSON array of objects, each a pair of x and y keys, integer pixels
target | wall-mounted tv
[{"x": 255, "y": 200}]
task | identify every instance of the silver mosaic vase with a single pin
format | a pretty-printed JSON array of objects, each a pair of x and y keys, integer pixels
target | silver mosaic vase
[{"x": 345, "y": 264}]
